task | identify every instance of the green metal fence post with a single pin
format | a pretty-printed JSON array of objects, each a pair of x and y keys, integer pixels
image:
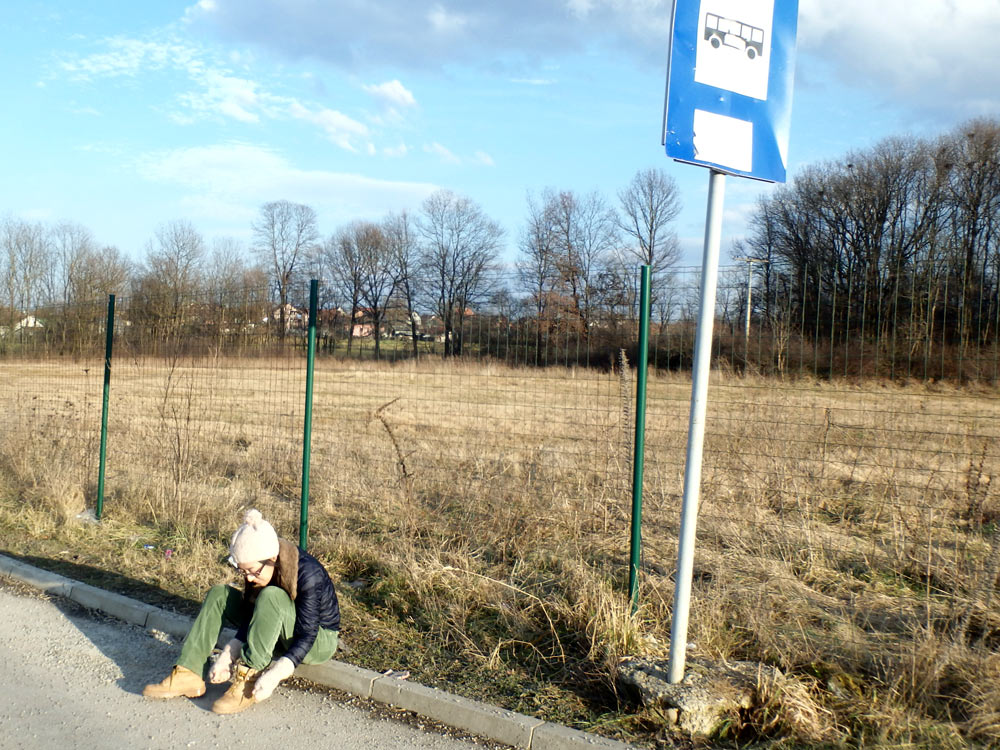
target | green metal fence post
[
  {"x": 307, "y": 421},
  {"x": 108, "y": 346},
  {"x": 640, "y": 440}
]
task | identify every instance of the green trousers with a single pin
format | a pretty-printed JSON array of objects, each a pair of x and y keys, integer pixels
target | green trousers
[{"x": 271, "y": 626}]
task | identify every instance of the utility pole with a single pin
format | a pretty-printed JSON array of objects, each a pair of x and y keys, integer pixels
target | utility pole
[{"x": 746, "y": 327}]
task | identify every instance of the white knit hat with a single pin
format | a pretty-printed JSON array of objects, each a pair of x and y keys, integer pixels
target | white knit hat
[{"x": 254, "y": 541}]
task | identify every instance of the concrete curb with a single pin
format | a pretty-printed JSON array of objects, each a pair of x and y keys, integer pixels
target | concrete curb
[
  {"x": 496, "y": 723},
  {"x": 501, "y": 725}
]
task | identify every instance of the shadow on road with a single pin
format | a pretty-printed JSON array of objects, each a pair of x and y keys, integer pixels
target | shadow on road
[
  {"x": 141, "y": 657},
  {"x": 109, "y": 580}
]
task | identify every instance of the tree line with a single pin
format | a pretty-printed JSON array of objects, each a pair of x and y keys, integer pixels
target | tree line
[
  {"x": 886, "y": 256},
  {"x": 896, "y": 247},
  {"x": 576, "y": 259}
]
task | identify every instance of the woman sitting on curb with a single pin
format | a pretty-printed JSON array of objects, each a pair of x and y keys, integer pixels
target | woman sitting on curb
[{"x": 287, "y": 614}]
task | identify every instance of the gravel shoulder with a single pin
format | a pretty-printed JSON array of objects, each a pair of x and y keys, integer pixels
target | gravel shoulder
[{"x": 73, "y": 678}]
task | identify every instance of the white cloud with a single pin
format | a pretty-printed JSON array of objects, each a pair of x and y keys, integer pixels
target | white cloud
[
  {"x": 442, "y": 152},
  {"x": 226, "y": 95},
  {"x": 36, "y": 214},
  {"x": 534, "y": 81},
  {"x": 339, "y": 128},
  {"x": 227, "y": 168},
  {"x": 216, "y": 92},
  {"x": 445, "y": 22},
  {"x": 401, "y": 32},
  {"x": 396, "y": 151},
  {"x": 933, "y": 54},
  {"x": 129, "y": 57},
  {"x": 579, "y": 8},
  {"x": 392, "y": 93},
  {"x": 110, "y": 150},
  {"x": 199, "y": 10},
  {"x": 481, "y": 157},
  {"x": 448, "y": 156},
  {"x": 83, "y": 110},
  {"x": 232, "y": 180},
  {"x": 242, "y": 100}
]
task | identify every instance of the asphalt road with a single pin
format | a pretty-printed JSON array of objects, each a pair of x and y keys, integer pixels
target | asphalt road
[{"x": 73, "y": 678}]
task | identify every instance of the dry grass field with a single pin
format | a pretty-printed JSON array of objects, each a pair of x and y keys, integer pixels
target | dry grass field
[{"x": 476, "y": 519}]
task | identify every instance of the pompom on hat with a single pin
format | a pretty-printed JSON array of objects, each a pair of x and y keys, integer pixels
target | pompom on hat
[{"x": 253, "y": 541}]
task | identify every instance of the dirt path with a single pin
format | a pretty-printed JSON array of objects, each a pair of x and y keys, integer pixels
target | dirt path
[{"x": 73, "y": 678}]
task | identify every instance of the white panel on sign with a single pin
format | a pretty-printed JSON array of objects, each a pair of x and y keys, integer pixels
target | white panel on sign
[
  {"x": 734, "y": 39},
  {"x": 723, "y": 140}
]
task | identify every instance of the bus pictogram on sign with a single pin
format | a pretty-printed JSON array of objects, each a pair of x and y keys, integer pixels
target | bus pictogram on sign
[{"x": 729, "y": 32}]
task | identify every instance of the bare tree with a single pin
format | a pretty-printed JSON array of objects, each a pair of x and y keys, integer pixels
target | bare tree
[
  {"x": 459, "y": 257},
  {"x": 537, "y": 270},
  {"x": 400, "y": 234},
  {"x": 897, "y": 245},
  {"x": 648, "y": 204},
  {"x": 759, "y": 248},
  {"x": 25, "y": 253},
  {"x": 285, "y": 234},
  {"x": 340, "y": 256},
  {"x": 172, "y": 276},
  {"x": 584, "y": 233},
  {"x": 102, "y": 272},
  {"x": 378, "y": 274},
  {"x": 973, "y": 224},
  {"x": 10, "y": 231},
  {"x": 238, "y": 288},
  {"x": 72, "y": 248},
  {"x": 93, "y": 274},
  {"x": 229, "y": 272}
]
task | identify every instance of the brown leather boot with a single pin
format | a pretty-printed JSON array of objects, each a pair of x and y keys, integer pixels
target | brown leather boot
[
  {"x": 180, "y": 681},
  {"x": 239, "y": 697}
]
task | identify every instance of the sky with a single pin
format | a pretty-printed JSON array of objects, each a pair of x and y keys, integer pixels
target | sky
[{"x": 123, "y": 117}]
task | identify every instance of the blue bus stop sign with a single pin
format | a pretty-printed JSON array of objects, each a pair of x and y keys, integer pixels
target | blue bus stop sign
[{"x": 729, "y": 85}]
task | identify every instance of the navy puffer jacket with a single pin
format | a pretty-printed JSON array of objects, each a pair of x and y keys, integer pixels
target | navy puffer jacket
[{"x": 309, "y": 587}]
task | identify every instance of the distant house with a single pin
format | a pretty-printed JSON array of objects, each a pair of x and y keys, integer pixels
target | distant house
[
  {"x": 401, "y": 319},
  {"x": 329, "y": 316},
  {"x": 294, "y": 317},
  {"x": 364, "y": 327},
  {"x": 363, "y": 330},
  {"x": 403, "y": 324},
  {"x": 27, "y": 324}
]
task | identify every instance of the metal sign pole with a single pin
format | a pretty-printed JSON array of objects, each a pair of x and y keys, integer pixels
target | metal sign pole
[
  {"x": 109, "y": 340},
  {"x": 729, "y": 108},
  {"x": 640, "y": 440},
  {"x": 696, "y": 426},
  {"x": 307, "y": 420}
]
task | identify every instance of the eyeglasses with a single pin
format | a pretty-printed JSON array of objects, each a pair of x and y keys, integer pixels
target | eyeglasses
[{"x": 251, "y": 573}]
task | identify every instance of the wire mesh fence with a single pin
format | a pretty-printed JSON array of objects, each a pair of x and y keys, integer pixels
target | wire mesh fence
[
  {"x": 902, "y": 326},
  {"x": 51, "y": 397},
  {"x": 840, "y": 517}
]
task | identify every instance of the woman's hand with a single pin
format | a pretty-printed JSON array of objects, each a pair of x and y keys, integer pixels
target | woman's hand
[
  {"x": 222, "y": 667},
  {"x": 280, "y": 669}
]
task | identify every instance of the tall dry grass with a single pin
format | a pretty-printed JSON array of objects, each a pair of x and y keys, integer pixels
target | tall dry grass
[{"x": 846, "y": 535}]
